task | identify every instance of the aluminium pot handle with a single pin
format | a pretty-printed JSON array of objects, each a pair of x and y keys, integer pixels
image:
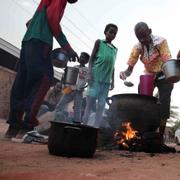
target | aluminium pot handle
[
  {"x": 72, "y": 131},
  {"x": 73, "y": 128}
]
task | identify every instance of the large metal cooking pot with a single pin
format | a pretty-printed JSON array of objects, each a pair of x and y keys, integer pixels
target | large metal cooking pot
[
  {"x": 70, "y": 75},
  {"x": 171, "y": 70},
  {"x": 67, "y": 139},
  {"x": 59, "y": 58},
  {"x": 141, "y": 110}
]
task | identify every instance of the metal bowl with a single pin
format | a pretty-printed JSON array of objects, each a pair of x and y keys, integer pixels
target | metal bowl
[
  {"x": 59, "y": 58},
  {"x": 171, "y": 70}
]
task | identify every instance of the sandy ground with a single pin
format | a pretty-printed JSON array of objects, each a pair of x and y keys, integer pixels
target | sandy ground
[{"x": 20, "y": 161}]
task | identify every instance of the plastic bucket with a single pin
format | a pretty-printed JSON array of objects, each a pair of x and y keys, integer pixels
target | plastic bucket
[{"x": 146, "y": 85}]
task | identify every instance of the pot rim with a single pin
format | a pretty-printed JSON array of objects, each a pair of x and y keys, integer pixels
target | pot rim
[
  {"x": 135, "y": 95},
  {"x": 169, "y": 61},
  {"x": 74, "y": 125},
  {"x": 171, "y": 69}
]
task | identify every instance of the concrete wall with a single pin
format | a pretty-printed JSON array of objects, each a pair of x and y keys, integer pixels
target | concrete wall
[{"x": 6, "y": 80}]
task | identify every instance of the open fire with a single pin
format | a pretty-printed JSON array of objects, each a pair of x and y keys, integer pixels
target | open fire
[{"x": 126, "y": 137}]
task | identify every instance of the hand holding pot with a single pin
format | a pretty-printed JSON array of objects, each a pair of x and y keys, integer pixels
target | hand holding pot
[{"x": 72, "y": 55}]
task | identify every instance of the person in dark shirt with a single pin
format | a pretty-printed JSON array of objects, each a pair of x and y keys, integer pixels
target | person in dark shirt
[{"x": 35, "y": 69}]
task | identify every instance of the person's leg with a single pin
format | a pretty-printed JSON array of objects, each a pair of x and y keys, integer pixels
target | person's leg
[
  {"x": 90, "y": 102},
  {"x": 42, "y": 110},
  {"x": 77, "y": 106},
  {"x": 83, "y": 106},
  {"x": 17, "y": 98},
  {"x": 92, "y": 94},
  {"x": 39, "y": 76},
  {"x": 164, "y": 89},
  {"x": 99, "y": 112},
  {"x": 60, "y": 107},
  {"x": 104, "y": 90}
]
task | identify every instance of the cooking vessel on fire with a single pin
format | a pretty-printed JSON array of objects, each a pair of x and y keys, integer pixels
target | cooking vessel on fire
[
  {"x": 68, "y": 139},
  {"x": 141, "y": 110},
  {"x": 171, "y": 69},
  {"x": 59, "y": 57}
]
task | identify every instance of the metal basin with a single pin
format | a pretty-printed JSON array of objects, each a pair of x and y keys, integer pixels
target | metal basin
[{"x": 171, "y": 70}]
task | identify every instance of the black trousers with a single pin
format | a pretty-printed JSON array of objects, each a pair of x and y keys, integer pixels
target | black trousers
[
  {"x": 164, "y": 96},
  {"x": 33, "y": 79}
]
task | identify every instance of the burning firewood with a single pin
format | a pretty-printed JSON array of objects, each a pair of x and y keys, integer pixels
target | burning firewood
[{"x": 127, "y": 137}]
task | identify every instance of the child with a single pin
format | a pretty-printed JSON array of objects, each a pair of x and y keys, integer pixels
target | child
[
  {"x": 75, "y": 92},
  {"x": 51, "y": 99},
  {"x": 101, "y": 73}
]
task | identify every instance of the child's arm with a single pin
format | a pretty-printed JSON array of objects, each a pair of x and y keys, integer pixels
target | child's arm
[
  {"x": 93, "y": 54},
  {"x": 54, "y": 14},
  {"x": 112, "y": 81}
]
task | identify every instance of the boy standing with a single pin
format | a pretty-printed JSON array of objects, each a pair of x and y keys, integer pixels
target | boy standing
[{"x": 101, "y": 73}]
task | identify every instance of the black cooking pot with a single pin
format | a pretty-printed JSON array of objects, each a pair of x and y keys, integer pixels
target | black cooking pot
[
  {"x": 67, "y": 139},
  {"x": 141, "y": 110}
]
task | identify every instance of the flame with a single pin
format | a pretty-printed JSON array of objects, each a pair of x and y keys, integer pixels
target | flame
[
  {"x": 123, "y": 137},
  {"x": 130, "y": 133}
]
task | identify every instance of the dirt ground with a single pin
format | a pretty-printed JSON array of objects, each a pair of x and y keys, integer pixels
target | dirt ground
[{"x": 20, "y": 161}]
